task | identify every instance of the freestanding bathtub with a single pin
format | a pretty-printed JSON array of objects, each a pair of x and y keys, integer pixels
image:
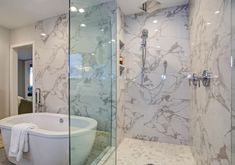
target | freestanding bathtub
[{"x": 49, "y": 143}]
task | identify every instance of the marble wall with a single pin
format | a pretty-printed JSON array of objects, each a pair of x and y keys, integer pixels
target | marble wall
[
  {"x": 50, "y": 59},
  {"x": 51, "y": 63},
  {"x": 233, "y": 82},
  {"x": 210, "y": 39},
  {"x": 155, "y": 108},
  {"x": 120, "y": 80},
  {"x": 91, "y": 67},
  {"x": 93, "y": 70}
]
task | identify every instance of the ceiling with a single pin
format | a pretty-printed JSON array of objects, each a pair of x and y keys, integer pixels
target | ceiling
[
  {"x": 133, "y": 6},
  {"x": 17, "y": 13}
]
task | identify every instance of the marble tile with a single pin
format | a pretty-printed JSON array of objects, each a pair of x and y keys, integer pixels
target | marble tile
[
  {"x": 157, "y": 109},
  {"x": 233, "y": 83},
  {"x": 120, "y": 80},
  {"x": 51, "y": 63},
  {"x": 91, "y": 79},
  {"x": 139, "y": 152},
  {"x": 210, "y": 38}
]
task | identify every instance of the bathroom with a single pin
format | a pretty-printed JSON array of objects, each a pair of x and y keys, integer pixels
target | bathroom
[{"x": 116, "y": 82}]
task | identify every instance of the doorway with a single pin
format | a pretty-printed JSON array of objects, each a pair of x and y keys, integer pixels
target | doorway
[{"x": 21, "y": 79}]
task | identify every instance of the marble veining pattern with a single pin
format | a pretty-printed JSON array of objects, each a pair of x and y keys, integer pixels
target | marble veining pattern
[
  {"x": 92, "y": 81},
  {"x": 158, "y": 110},
  {"x": 233, "y": 83},
  {"x": 210, "y": 37},
  {"x": 139, "y": 152},
  {"x": 51, "y": 63},
  {"x": 120, "y": 79}
]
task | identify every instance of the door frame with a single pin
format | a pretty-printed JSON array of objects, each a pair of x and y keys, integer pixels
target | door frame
[{"x": 14, "y": 76}]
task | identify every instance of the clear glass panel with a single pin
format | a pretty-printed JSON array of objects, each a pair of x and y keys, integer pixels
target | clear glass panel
[
  {"x": 233, "y": 82},
  {"x": 92, "y": 89}
]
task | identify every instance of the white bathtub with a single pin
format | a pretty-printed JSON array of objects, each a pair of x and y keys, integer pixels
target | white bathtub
[{"x": 49, "y": 144}]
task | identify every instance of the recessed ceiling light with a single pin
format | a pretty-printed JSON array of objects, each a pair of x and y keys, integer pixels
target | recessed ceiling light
[
  {"x": 110, "y": 42},
  {"x": 73, "y": 9},
  {"x": 154, "y": 21},
  {"x": 208, "y": 23},
  {"x": 156, "y": 30},
  {"x": 83, "y": 25},
  {"x": 217, "y": 12},
  {"x": 43, "y": 34},
  {"x": 92, "y": 54},
  {"x": 113, "y": 40},
  {"x": 81, "y": 10},
  {"x": 102, "y": 30}
]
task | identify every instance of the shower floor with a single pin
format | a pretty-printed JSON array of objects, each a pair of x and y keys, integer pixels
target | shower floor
[{"x": 138, "y": 152}]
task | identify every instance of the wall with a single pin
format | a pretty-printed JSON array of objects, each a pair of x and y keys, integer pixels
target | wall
[
  {"x": 4, "y": 72},
  {"x": 233, "y": 82},
  {"x": 51, "y": 63},
  {"x": 91, "y": 69},
  {"x": 22, "y": 35},
  {"x": 120, "y": 79},
  {"x": 50, "y": 60},
  {"x": 210, "y": 38},
  {"x": 21, "y": 78},
  {"x": 158, "y": 110}
]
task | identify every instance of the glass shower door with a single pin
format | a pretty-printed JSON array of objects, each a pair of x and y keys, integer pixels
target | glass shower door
[
  {"x": 92, "y": 89},
  {"x": 233, "y": 81}
]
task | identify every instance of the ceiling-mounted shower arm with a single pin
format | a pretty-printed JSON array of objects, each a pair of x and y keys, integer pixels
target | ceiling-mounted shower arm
[{"x": 144, "y": 6}]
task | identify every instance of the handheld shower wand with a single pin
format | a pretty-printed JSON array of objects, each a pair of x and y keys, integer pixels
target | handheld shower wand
[{"x": 144, "y": 37}]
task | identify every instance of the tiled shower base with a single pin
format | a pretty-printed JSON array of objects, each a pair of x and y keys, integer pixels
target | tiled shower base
[{"x": 138, "y": 152}]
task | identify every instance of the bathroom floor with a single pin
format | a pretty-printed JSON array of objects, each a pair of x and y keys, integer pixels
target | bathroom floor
[
  {"x": 138, "y": 152},
  {"x": 3, "y": 158}
]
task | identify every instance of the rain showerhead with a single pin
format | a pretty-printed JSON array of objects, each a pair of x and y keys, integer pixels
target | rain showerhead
[{"x": 150, "y": 6}]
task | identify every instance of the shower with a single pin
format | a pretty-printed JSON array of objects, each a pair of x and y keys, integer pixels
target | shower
[{"x": 144, "y": 37}]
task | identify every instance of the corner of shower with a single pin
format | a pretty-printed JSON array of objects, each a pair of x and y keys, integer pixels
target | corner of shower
[{"x": 92, "y": 82}]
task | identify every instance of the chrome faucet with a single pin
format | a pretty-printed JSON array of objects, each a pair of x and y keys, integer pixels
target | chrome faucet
[{"x": 38, "y": 100}]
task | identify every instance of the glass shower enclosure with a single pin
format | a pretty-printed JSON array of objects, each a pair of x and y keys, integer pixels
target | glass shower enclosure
[{"x": 92, "y": 80}]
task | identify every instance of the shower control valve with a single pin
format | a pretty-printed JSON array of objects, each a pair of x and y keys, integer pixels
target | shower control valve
[
  {"x": 205, "y": 79},
  {"x": 194, "y": 80}
]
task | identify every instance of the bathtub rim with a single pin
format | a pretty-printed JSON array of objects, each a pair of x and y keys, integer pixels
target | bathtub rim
[{"x": 5, "y": 124}]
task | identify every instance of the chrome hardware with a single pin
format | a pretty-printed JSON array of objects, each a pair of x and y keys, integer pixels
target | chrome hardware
[
  {"x": 38, "y": 100},
  {"x": 61, "y": 120},
  {"x": 38, "y": 95},
  {"x": 205, "y": 79},
  {"x": 194, "y": 80}
]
